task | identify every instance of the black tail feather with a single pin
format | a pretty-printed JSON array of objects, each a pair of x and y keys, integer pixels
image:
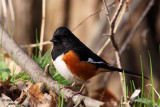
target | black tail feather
[{"x": 125, "y": 71}]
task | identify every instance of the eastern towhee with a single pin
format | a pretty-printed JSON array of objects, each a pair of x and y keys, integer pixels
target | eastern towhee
[{"x": 75, "y": 61}]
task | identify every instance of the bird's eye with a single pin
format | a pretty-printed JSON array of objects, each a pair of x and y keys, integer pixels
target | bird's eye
[{"x": 58, "y": 37}]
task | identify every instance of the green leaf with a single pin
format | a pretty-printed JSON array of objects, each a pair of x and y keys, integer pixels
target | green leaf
[
  {"x": 145, "y": 101},
  {"x": 3, "y": 65},
  {"x": 4, "y": 75},
  {"x": 4, "y": 71}
]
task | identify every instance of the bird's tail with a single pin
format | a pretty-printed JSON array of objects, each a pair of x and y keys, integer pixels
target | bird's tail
[{"x": 125, "y": 71}]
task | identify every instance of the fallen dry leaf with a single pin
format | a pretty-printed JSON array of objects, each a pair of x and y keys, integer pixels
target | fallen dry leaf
[
  {"x": 21, "y": 99},
  {"x": 36, "y": 91},
  {"x": 38, "y": 99},
  {"x": 11, "y": 91},
  {"x": 6, "y": 101}
]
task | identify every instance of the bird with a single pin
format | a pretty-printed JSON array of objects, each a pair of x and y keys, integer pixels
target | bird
[{"x": 75, "y": 61}]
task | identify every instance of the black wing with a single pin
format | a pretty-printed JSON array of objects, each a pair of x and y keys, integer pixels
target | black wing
[{"x": 86, "y": 55}]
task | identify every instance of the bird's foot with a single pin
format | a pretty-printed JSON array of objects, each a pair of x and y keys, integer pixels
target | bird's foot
[
  {"x": 70, "y": 87},
  {"x": 78, "y": 92}
]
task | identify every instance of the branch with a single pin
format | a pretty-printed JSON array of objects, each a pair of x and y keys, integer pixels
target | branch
[
  {"x": 96, "y": 12},
  {"x": 113, "y": 26},
  {"x": 42, "y": 24},
  {"x": 36, "y": 73},
  {"x": 4, "y": 8},
  {"x": 35, "y": 45},
  {"x": 12, "y": 15}
]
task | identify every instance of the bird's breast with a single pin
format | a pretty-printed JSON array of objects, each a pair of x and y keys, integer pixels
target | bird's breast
[
  {"x": 62, "y": 68},
  {"x": 73, "y": 69},
  {"x": 81, "y": 69}
]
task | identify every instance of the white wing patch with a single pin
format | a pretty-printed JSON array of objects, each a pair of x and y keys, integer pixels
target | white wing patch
[{"x": 90, "y": 60}]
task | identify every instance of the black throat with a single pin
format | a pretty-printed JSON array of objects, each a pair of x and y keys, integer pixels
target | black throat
[{"x": 57, "y": 51}]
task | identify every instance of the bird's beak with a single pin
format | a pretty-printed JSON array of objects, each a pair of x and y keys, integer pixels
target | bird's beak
[{"x": 52, "y": 40}]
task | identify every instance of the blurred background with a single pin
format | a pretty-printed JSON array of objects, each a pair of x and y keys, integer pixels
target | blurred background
[{"x": 88, "y": 21}]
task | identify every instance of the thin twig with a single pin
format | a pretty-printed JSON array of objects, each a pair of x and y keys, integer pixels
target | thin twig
[
  {"x": 48, "y": 42},
  {"x": 154, "y": 90},
  {"x": 112, "y": 33},
  {"x": 35, "y": 45},
  {"x": 133, "y": 30},
  {"x": 46, "y": 70},
  {"x": 113, "y": 23},
  {"x": 4, "y": 11},
  {"x": 42, "y": 24},
  {"x": 12, "y": 15},
  {"x": 96, "y": 12},
  {"x": 105, "y": 4},
  {"x": 103, "y": 47},
  {"x": 136, "y": 26}
]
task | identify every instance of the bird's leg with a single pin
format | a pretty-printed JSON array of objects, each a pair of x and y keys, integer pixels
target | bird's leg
[
  {"x": 71, "y": 86},
  {"x": 80, "y": 91}
]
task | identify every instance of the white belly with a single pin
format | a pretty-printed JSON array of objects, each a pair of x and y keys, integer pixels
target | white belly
[{"x": 64, "y": 71}]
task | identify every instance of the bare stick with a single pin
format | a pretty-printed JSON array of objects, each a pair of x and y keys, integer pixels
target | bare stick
[
  {"x": 113, "y": 23},
  {"x": 35, "y": 45},
  {"x": 36, "y": 73},
  {"x": 42, "y": 24},
  {"x": 112, "y": 33},
  {"x": 46, "y": 70},
  {"x": 154, "y": 90},
  {"x": 12, "y": 15},
  {"x": 104, "y": 46},
  {"x": 96, "y": 12},
  {"x": 105, "y": 4},
  {"x": 4, "y": 11}
]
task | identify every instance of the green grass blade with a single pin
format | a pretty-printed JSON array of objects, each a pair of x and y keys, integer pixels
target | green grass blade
[
  {"x": 37, "y": 47},
  {"x": 62, "y": 97},
  {"x": 145, "y": 101},
  {"x": 127, "y": 91},
  {"x": 158, "y": 102},
  {"x": 153, "y": 100},
  {"x": 133, "y": 85},
  {"x": 125, "y": 95},
  {"x": 59, "y": 97},
  {"x": 142, "y": 77}
]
